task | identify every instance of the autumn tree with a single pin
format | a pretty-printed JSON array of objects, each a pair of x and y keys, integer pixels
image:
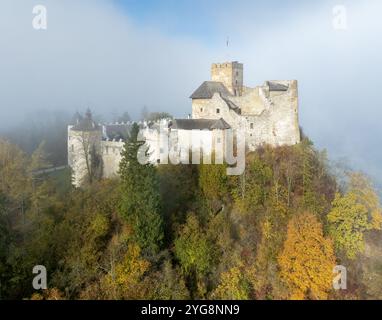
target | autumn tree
[
  {"x": 39, "y": 159},
  {"x": 79, "y": 235},
  {"x": 233, "y": 286},
  {"x": 5, "y": 240},
  {"x": 181, "y": 182},
  {"x": 166, "y": 283},
  {"x": 363, "y": 189},
  {"x": 125, "y": 280},
  {"x": 213, "y": 184},
  {"x": 311, "y": 172},
  {"x": 48, "y": 294},
  {"x": 195, "y": 252},
  {"x": 348, "y": 220},
  {"x": 252, "y": 187},
  {"x": 307, "y": 260},
  {"x": 42, "y": 193},
  {"x": 370, "y": 263},
  {"x": 14, "y": 181}
]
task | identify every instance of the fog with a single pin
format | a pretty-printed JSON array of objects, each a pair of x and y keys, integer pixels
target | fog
[{"x": 99, "y": 54}]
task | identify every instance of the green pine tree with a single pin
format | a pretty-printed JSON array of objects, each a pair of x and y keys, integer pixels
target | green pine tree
[{"x": 140, "y": 200}]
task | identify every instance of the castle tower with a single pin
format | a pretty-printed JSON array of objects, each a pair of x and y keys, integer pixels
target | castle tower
[
  {"x": 230, "y": 74},
  {"x": 84, "y": 144}
]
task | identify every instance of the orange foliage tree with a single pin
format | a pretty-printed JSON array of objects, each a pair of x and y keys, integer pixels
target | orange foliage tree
[{"x": 307, "y": 259}]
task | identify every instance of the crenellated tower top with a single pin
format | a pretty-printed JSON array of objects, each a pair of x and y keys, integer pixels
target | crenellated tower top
[{"x": 230, "y": 74}]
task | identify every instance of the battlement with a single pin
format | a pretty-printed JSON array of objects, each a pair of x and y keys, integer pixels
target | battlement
[
  {"x": 112, "y": 140},
  {"x": 118, "y": 123},
  {"x": 232, "y": 64},
  {"x": 230, "y": 74}
]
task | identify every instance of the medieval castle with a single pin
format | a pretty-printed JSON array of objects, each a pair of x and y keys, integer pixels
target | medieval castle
[{"x": 267, "y": 114}]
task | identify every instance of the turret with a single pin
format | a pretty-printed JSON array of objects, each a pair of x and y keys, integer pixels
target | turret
[{"x": 84, "y": 148}]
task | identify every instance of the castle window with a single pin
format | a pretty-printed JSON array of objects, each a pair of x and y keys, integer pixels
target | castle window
[
  {"x": 72, "y": 147},
  {"x": 218, "y": 140},
  {"x": 251, "y": 125},
  {"x": 107, "y": 150},
  {"x": 237, "y": 74},
  {"x": 161, "y": 150},
  {"x": 236, "y": 81},
  {"x": 201, "y": 109},
  {"x": 217, "y": 110}
]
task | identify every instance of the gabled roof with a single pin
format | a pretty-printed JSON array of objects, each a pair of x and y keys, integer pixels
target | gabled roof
[
  {"x": 207, "y": 89},
  {"x": 220, "y": 124},
  {"x": 200, "y": 124},
  {"x": 274, "y": 86},
  {"x": 231, "y": 105}
]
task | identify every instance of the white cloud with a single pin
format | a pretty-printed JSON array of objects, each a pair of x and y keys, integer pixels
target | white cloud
[
  {"x": 93, "y": 55},
  {"x": 338, "y": 73}
]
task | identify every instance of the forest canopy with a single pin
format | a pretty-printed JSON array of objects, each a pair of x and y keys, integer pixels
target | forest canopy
[{"x": 190, "y": 231}]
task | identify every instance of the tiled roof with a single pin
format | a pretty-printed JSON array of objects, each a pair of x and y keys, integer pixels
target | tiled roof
[
  {"x": 207, "y": 89},
  {"x": 231, "y": 105},
  {"x": 274, "y": 86},
  {"x": 200, "y": 124}
]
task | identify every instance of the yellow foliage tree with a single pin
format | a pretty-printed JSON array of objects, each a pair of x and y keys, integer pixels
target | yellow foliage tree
[
  {"x": 348, "y": 221},
  {"x": 125, "y": 280},
  {"x": 48, "y": 294},
  {"x": 307, "y": 260},
  {"x": 366, "y": 195},
  {"x": 233, "y": 286}
]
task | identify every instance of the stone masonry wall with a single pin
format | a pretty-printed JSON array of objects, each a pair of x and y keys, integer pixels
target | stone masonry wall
[
  {"x": 111, "y": 157},
  {"x": 80, "y": 143},
  {"x": 267, "y": 117},
  {"x": 230, "y": 74}
]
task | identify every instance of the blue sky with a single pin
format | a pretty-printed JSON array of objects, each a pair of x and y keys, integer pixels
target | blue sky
[
  {"x": 200, "y": 18},
  {"x": 117, "y": 55}
]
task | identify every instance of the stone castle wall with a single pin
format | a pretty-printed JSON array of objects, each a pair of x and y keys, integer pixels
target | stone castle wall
[
  {"x": 79, "y": 144},
  {"x": 268, "y": 117},
  {"x": 111, "y": 157}
]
